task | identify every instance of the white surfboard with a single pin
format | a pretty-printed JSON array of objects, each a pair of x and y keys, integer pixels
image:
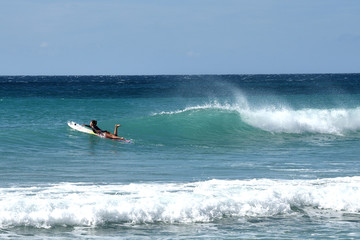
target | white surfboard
[{"x": 80, "y": 128}]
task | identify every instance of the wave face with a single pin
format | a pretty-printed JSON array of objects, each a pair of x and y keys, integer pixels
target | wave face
[{"x": 208, "y": 201}]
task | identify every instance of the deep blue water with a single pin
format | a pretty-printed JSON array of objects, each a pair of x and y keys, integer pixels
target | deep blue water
[{"x": 212, "y": 157}]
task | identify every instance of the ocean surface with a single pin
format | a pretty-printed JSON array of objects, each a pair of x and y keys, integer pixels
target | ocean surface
[{"x": 212, "y": 157}]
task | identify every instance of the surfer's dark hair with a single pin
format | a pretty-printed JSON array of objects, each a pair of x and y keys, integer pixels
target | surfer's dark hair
[{"x": 94, "y": 122}]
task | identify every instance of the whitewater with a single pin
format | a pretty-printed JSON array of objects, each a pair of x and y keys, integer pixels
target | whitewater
[
  {"x": 212, "y": 157},
  {"x": 208, "y": 201}
]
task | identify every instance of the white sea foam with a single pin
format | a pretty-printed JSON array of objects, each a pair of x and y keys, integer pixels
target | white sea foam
[
  {"x": 327, "y": 121},
  {"x": 92, "y": 205}
]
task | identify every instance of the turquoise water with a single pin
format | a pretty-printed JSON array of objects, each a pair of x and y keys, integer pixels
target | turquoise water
[{"x": 212, "y": 157}]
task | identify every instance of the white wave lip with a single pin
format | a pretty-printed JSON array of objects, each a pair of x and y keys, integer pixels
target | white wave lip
[
  {"x": 91, "y": 205},
  {"x": 213, "y": 105}
]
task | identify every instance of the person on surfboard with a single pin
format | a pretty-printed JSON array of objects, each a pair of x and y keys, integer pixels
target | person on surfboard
[{"x": 102, "y": 133}]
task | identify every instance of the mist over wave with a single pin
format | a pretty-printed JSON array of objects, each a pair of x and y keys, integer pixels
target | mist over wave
[{"x": 73, "y": 204}]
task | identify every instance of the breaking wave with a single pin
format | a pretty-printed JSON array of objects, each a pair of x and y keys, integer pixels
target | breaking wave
[
  {"x": 273, "y": 119},
  {"x": 76, "y": 204}
]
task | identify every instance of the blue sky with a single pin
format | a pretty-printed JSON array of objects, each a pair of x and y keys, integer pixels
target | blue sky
[{"x": 135, "y": 37}]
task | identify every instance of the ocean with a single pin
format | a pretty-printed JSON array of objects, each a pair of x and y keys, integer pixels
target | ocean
[{"x": 211, "y": 157}]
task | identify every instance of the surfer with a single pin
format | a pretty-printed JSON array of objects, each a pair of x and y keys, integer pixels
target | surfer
[{"x": 102, "y": 133}]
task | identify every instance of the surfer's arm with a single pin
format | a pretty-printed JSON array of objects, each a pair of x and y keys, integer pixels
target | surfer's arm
[{"x": 93, "y": 129}]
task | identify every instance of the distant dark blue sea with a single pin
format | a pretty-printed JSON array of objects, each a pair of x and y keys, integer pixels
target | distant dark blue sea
[{"x": 211, "y": 157}]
